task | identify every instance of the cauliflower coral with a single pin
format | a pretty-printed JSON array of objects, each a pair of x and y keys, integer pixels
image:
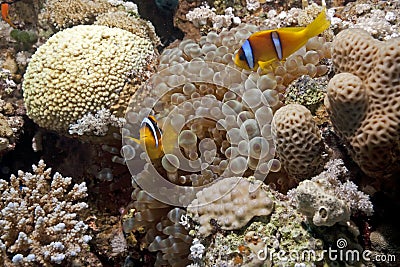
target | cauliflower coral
[{"x": 82, "y": 70}]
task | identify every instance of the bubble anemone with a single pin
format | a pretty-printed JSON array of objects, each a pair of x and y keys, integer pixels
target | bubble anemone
[{"x": 216, "y": 122}]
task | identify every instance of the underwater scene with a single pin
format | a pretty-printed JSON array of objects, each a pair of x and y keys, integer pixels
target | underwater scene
[{"x": 215, "y": 133}]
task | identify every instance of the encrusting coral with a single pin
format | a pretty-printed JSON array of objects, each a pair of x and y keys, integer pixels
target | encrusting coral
[
  {"x": 82, "y": 70},
  {"x": 231, "y": 203},
  {"x": 40, "y": 222},
  {"x": 257, "y": 242},
  {"x": 299, "y": 144},
  {"x": 385, "y": 240},
  {"x": 326, "y": 200},
  {"x": 363, "y": 100}
]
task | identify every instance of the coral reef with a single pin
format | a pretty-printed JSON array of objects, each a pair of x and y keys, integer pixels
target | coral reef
[
  {"x": 64, "y": 14},
  {"x": 11, "y": 111},
  {"x": 258, "y": 243},
  {"x": 234, "y": 107},
  {"x": 82, "y": 70},
  {"x": 299, "y": 144},
  {"x": 231, "y": 203},
  {"x": 381, "y": 21},
  {"x": 40, "y": 219},
  {"x": 117, "y": 13},
  {"x": 307, "y": 91},
  {"x": 325, "y": 200},
  {"x": 97, "y": 124},
  {"x": 216, "y": 121},
  {"x": 77, "y": 78},
  {"x": 132, "y": 23},
  {"x": 201, "y": 16},
  {"x": 363, "y": 100}
]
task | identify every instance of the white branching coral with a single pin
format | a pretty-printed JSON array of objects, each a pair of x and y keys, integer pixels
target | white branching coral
[
  {"x": 6, "y": 82},
  {"x": 39, "y": 218},
  {"x": 197, "y": 249},
  {"x": 129, "y": 6},
  {"x": 97, "y": 124},
  {"x": 202, "y": 15},
  {"x": 252, "y": 5}
]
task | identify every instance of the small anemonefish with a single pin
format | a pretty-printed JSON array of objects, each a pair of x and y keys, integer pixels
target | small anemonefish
[
  {"x": 150, "y": 138},
  {"x": 5, "y": 7},
  {"x": 264, "y": 47}
]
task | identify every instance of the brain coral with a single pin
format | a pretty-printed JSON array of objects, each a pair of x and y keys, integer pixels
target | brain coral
[
  {"x": 82, "y": 70},
  {"x": 363, "y": 100},
  {"x": 298, "y": 141}
]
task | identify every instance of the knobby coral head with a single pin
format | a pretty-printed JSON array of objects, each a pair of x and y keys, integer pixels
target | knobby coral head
[{"x": 363, "y": 100}]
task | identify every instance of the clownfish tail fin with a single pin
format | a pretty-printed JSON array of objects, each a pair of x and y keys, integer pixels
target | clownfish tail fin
[{"x": 320, "y": 24}]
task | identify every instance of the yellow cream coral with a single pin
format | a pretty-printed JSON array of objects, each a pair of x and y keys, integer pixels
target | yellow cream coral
[{"x": 82, "y": 70}]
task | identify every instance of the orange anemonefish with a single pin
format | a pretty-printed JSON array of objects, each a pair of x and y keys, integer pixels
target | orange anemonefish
[
  {"x": 150, "y": 138},
  {"x": 264, "y": 47},
  {"x": 5, "y": 6}
]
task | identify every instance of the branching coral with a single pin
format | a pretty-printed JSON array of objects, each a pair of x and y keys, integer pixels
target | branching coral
[
  {"x": 379, "y": 21},
  {"x": 97, "y": 124},
  {"x": 39, "y": 219},
  {"x": 363, "y": 100},
  {"x": 203, "y": 15}
]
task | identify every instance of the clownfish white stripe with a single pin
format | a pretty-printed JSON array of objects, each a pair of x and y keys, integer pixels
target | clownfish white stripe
[
  {"x": 153, "y": 127},
  {"x": 277, "y": 44},
  {"x": 248, "y": 53}
]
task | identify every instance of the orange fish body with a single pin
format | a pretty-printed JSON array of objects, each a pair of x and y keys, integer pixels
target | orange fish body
[
  {"x": 264, "y": 47},
  {"x": 150, "y": 138},
  {"x": 154, "y": 141},
  {"x": 5, "y": 7}
]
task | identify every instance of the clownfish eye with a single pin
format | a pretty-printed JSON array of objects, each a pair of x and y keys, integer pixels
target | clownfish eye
[{"x": 242, "y": 55}]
